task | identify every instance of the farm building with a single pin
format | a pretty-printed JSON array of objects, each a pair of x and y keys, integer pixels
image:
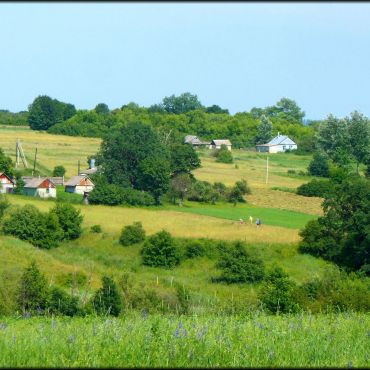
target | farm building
[
  {"x": 194, "y": 141},
  {"x": 280, "y": 143},
  {"x": 80, "y": 184},
  {"x": 7, "y": 184},
  {"x": 216, "y": 144},
  {"x": 41, "y": 187}
]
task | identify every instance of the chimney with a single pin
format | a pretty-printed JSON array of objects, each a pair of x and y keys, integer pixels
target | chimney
[
  {"x": 92, "y": 163},
  {"x": 278, "y": 134}
]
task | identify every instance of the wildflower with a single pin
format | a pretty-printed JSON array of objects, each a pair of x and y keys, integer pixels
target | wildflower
[
  {"x": 271, "y": 355},
  {"x": 185, "y": 333},
  {"x": 53, "y": 324},
  {"x": 14, "y": 338},
  {"x": 180, "y": 325},
  {"x": 191, "y": 355},
  {"x": 261, "y": 326},
  {"x": 3, "y": 325},
  {"x": 71, "y": 339},
  {"x": 177, "y": 333},
  {"x": 350, "y": 365},
  {"x": 27, "y": 315},
  {"x": 145, "y": 314}
]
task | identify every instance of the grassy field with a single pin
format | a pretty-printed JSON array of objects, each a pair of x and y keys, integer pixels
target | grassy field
[{"x": 257, "y": 340}]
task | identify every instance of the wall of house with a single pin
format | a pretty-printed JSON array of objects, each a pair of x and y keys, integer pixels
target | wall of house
[
  {"x": 263, "y": 149},
  {"x": 46, "y": 192},
  {"x": 82, "y": 189},
  {"x": 6, "y": 188}
]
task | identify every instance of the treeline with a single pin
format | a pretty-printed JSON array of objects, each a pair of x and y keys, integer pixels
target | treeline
[
  {"x": 175, "y": 117},
  {"x": 13, "y": 119}
]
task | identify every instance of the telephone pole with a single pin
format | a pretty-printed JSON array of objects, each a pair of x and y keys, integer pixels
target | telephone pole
[{"x": 267, "y": 169}]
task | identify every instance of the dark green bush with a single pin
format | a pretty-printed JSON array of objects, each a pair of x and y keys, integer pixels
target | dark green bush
[
  {"x": 315, "y": 188},
  {"x": 202, "y": 191},
  {"x": 159, "y": 250},
  {"x": 96, "y": 229},
  {"x": 132, "y": 234},
  {"x": 291, "y": 172},
  {"x": 107, "y": 300},
  {"x": 194, "y": 249},
  {"x": 59, "y": 171},
  {"x": 61, "y": 303},
  {"x": 70, "y": 220},
  {"x": 238, "y": 266},
  {"x": 319, "y": 165},
  {"x": 224, "y": 155},
  {"x": 104, "y": 193},
  {"x": 137, "y": 197}
]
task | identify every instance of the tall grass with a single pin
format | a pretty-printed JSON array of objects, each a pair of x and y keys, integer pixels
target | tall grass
[{"x": 141, "y": 340}]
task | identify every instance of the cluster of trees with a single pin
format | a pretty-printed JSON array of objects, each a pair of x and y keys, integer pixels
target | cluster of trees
[
  {"x": 42, "y": 229},
  {"x": 10, "y": 118},
  {"x": 176, "y": 116}
]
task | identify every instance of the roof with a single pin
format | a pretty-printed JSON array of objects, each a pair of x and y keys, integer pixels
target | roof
[
  {"x": 221, "y": 142},
  {"x": 35, "y": 182},
  {"x": 75, "y": 180},
  {"x": 3, "y": 173},
  {"x": 191, "y": 139},
  {"x": 281, "y": 140},
  {"x": 89, "y": 171}
]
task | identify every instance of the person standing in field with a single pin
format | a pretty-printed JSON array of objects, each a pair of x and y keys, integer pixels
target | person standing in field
[
  {"x": 251, "y": 220},
  {"x": 258, "y": 222}
]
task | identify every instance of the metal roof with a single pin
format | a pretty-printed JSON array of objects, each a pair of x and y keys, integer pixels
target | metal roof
[
  {"x": 221, "y": 142},
  {"x": 75, "y": 180},
  {"x": 281, "y": 140},
  {"x": 35, "y": 182},
  {"x": 191, "y": 139}
]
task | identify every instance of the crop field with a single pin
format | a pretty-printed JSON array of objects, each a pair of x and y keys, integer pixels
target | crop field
[{"x": 142, "y": 340}]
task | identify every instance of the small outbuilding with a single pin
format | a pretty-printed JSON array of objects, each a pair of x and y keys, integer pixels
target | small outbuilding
[
  {"x": 80, "y": 184},
  {"x": 195, "y": 141},
  {"x": 7, "y": 185},
  {"x": 41, "y": 187},
  {"x": 216, "y": 144},
  {"x": 278, "y": 144}
]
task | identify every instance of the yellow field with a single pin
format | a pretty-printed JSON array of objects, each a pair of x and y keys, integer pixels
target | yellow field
[{"x": 52, "y": 150}]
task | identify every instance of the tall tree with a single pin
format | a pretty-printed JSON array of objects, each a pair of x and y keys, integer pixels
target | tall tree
[
  {"x": 6, "y": 164},
  {"x": 183, "y": 158},
  {"x": 102, "y": 108},
  {"x": 181, "y": 104},
  {"x": 264, "y": 131},
  {"x": 359, "y": 136}
]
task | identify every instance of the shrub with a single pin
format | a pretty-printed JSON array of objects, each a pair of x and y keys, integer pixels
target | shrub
[
  {"x": 70, "y": 220},
  {"x": 277, "y": 292},
  {"x": 135, "y": 197},
  {"x": 242, "y": 185},
  {"x": 59, "y": 171},
  {"x": 104, "y": 193},
  {"x": 319, "y": 165},
  {"x": 238, "y": 266},
  {"x": 60, "y": 303},
  {"x": 96, "y": 229},
  {"x": 315, "y": 188},
  {"x": 72, "y": 279},
  {"x": 292, "y": 172},
  {"x": 132, "y": 234},
  {"x": 107, "y": 299},
  {"x": 28, "y": 223},
  {"x": 32, "y": 290},
  {"x": 4, "y": 204},
  {"x": 194, "y": 249},
  {"x": 159, "y": 250},
  {"x": 202, "y": 191},
  {"x": 224, "y": 155},
  {"x": 183, "y": 296}
]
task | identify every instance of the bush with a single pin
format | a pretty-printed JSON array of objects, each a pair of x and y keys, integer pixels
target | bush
[
  {"x": 96, "y": 229},
  {"x": 194, "y": 249},
  {"x": 242, "y": 185},
  {"x": 238, "y": 266},
  {"x": 59, "y": 171},
  {"x": 28, "y": 223},
  {"x": 277, "y": 292},
  {"x": 137, "y": 197},
  {"x": 75, "y": 279},
  {"x": 70, "y": 220},
  {"x": 319, "y": 165},
  {"x": 202, "y": 191},
  {"x": 315, "y": 188},
  {"x": 132, "y": 234},
  {"x": 104, "y": 193},
  {"x": 107, "y": 299},
  {"x": 32, "y": 291},
  {"x": 4, "y": 204},
  {"x": 159, "y": 250},
  {"x": 291, "y": 172},
  {"x": 224, "y": 155},
  {"x": 60, "y": 303}
]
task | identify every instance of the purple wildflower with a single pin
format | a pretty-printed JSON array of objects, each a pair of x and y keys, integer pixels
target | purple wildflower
[
  {"x": 145, "y": 314},
  {"x": 71, "y": 339},
  {"x": 27, "y": 315},
  {"x": 177, "y": 333},
  {"x": 4, "y": 325}
]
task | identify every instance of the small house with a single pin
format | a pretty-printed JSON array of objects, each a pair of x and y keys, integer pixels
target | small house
[
  {"x": 216, "y": 144},
  {"x": 195, "y": 141},
  {"x": 41, "y": 187},
  {"x": 7, "y": 184},
  {"x": 80, "y": 184},
  {"x": 278, "y": 144}
]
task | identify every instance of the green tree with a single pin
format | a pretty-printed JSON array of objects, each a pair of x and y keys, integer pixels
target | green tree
[
  {"x": 6, "y": 164},
  {"x": 216, "y": 109},
  {"x": 238, "y": 266},
  {"x": 183, "y": 158},
  {"x": 181, "y": 104},
  {"x": 359, "y": 137},
  {"x": 70, "y": 219},
  {"x": 102, "y": 108},
  {"x": 107, "y": 300},
  {"x": 286, "y": 109},
  {"x": 44, "y": 112},
  {"x": 159, "y": 250},
  {"x": 19, "y": 183},
  {"x": 277, "y": 292},
  {"x": 223, "y": 155},
  {"x": 180, "y": 184},
  {"x": 319, "y": 165},
  {"x": 61, "y": 303},
  {"x": 264, "y": 131},
  {"x": 32, "y": 292},
  {"x": 59, "y": 171},
  {"x": 132, "y": 234}
]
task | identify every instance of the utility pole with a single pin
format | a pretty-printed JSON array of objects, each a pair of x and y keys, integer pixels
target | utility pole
[
  {"x": 78, "y": 167},
  {"x": 267, "y": 169},
  {"x": 34, "y": 162}
]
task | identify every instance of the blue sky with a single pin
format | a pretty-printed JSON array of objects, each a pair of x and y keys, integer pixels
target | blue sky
[{"x": 236, "y": 55}]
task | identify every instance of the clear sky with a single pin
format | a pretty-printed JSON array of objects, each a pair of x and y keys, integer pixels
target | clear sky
[{"x": 236, "y": 55}]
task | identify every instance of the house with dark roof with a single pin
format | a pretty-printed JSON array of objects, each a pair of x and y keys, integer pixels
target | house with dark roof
[
  {"x": 216, "y": 144},
  {"x": 194, "y": 141},
  {"x": 279, "y": 143},
  {"x": 7, "y": 185},
  {"x": 41, "y": 187},
  {"x": 80, "y": 184}
]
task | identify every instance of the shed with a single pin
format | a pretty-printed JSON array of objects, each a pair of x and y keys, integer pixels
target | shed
[
  {"x": 80, "y": 184},
  {"x": 7, "y": 184},
  {"x": 194, "y": 141},
  {"x": 279, "y": 143},
  {"x": 41, "y": 187},
  {"x": 216, "y": 144}
]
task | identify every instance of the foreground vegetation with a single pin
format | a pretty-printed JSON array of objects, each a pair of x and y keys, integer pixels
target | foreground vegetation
[{"x": 142, "y": 340}]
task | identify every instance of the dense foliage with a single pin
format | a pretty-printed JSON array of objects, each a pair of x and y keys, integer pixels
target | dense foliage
[
  {"x": 132, "y": 234},
  {"x": 59, "y": 171},
  {"x": 14, "y": 119},
  {"x": 6, "y": 164},
  {"x": 223, "y": 155},
  {"x": 70, "y": 219},
  {"x": 107, "y": 300},
  {"x": 315, "y": 188},
  {"x": 319, "y": 165}
]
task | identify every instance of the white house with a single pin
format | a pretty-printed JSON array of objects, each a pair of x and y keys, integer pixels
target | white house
[
  {"x": 80, "y": 184},
  {"x": 41, "y": 187},
  {"x": 280, "y": 143},
  {"x": 7, "y": 185},
  {"x": 216, "y": 144}
]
